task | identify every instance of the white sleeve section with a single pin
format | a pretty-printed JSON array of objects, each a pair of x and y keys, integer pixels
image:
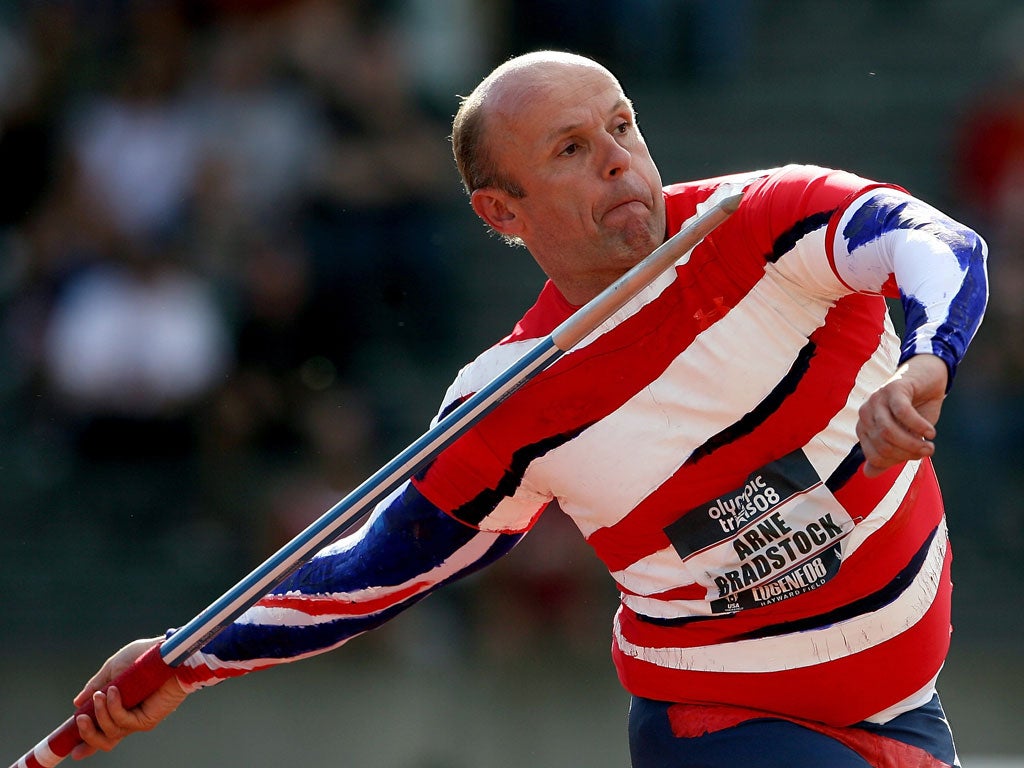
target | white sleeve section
[
  {"x": 925, "y": 267},
  {"x": 518, "y": 513},
  {"x": 476, "y": 375},
  {"x": 807, "y": 267}
]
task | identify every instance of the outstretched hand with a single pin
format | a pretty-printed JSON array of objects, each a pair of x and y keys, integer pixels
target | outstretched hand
[
  {"x": 897, "y": 423},
  {"x": 112, "y": 721}
]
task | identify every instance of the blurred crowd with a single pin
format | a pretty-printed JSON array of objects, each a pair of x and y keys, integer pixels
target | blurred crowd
[
  {"x": 220, "y": 220},
  {"x": 210, "y": 212}
]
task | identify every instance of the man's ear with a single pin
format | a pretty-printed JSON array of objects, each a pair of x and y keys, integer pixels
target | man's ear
[{"x": 498, "y": 210}]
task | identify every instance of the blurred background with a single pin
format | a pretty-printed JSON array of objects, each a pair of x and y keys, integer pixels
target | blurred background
[{"x": 237, "y": 272}]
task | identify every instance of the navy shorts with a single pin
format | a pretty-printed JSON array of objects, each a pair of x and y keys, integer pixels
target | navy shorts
[{"x": 920, "y": 738}]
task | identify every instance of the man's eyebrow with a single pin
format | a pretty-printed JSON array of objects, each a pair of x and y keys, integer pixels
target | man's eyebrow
[{"x": 622, "y": 104}]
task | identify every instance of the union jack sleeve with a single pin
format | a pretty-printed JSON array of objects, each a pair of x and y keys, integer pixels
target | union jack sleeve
[
  {"x": 406, "y": 550},
  {"x": 891, "y": 243}
]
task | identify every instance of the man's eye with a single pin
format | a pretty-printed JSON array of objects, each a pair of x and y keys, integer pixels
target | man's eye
[
  {"x": 623, "y": 127},
  {"x": 570, "y": 149}
]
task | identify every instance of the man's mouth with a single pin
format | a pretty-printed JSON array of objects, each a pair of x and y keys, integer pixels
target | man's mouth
[{"x": 632, "y": 204}]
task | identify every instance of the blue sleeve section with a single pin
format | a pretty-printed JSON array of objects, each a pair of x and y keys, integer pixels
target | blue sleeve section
[
  {"x": 408, "y": 539},
  {"x": 951, "y": 338},
  {"x": 888, "y": 212}
]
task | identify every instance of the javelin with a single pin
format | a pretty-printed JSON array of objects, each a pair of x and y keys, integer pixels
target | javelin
[{"x": 156, "y": 665}]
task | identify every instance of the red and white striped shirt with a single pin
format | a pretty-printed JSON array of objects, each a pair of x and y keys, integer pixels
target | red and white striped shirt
[{"x": 703, "y": 441}]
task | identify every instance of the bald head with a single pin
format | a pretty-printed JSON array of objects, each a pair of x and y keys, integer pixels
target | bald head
[
  {"x": 509, "y": 85},
  {"x": 552, "y": 158}
]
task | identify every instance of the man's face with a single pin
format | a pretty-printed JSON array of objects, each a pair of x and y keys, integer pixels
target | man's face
[{"x": 593, "y": 205}]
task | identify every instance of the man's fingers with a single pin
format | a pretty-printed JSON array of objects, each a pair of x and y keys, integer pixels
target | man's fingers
[
  {"x": 895, "y": 439},
  {"x": 897, "y": 423},
  {"x": 88, "y": 732},
  {"x": 876, "y": 462},
  {"x": 101, "y": 713},
  {"x": 893, "y": 418},
  {"x": 910, "y": 420},
  {"x": 95, "y": 735},
  {"x": 891, "y": 431},
  {"x": 110, "y": 722}
]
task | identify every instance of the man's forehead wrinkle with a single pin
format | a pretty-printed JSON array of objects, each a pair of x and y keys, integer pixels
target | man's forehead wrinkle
[{"x": 601, "y": 110}]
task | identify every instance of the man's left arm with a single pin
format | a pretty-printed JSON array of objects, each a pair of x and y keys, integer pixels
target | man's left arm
[{"x": 891, "y": 243}]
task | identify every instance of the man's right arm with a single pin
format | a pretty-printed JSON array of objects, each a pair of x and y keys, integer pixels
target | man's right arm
[{"x": 406, "y": 550}]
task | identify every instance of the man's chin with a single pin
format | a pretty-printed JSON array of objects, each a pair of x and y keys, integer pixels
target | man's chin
[
  {"x": 636, "y": 227},
  {"x": 638, "y": 242}
]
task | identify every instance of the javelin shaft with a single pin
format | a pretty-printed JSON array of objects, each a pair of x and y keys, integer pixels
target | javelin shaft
[
  {"x": 156, "y": 667},
  {"x": 347, "y": 512}
]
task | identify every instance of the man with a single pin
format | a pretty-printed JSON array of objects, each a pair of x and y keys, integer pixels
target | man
[{"x": 745, "y": 445}]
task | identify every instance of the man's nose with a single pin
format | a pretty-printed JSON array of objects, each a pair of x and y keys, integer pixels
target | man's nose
[{"x": 616, "y": 159}]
